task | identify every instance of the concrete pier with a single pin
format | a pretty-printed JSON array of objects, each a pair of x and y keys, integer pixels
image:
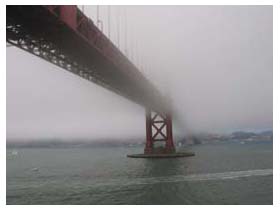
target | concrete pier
[{"x": 164, "y": 155}]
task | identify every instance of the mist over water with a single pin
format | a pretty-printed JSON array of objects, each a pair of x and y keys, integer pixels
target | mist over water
[{"x": 214, "y": 62}]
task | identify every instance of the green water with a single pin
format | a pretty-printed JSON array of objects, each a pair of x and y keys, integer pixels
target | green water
[{"x": 228, "y": 173}]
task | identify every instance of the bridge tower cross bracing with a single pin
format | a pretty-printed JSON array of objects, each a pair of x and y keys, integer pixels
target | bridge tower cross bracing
[{"x": 65, "y": 36}]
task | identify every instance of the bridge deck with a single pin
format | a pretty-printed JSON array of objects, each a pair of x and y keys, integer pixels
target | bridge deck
[{"x": 64, "y": 36}]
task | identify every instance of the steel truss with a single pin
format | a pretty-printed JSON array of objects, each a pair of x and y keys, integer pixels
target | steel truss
[
  {"x": 158, "y": 129},
  {"x": 45, "y": 49},
  {"x": 35, "y": 30}
]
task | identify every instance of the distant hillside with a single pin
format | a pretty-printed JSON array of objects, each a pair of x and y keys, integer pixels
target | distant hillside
[
  {"x": 203, "y": 138},
  {"x": 267, "y": 133},
  {"x": 70, "y": 144},
  {"x": 242, "y": 135}
]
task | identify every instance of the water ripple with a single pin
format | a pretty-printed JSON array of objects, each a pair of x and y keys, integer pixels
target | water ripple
[{"x": 188, "y": 178}]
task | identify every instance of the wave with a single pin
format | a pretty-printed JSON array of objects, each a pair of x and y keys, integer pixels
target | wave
[{"x": 190, "y": 178}]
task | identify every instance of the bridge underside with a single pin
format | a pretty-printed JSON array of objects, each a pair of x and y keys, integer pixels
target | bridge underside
[
  {"x": 64, "y": 36},
  {"x": 83, "y": 50}
]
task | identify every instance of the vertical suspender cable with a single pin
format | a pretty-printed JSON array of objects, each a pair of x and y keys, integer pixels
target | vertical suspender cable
[
  {"x": 125, "y": 31},
  {"x": 97, "y": 15},
  {"x": 118, "y": 27},
  {"x": 109, "y": 14}
]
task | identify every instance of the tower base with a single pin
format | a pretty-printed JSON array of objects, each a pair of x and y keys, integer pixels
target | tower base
[{"x": 163, "y": 155}]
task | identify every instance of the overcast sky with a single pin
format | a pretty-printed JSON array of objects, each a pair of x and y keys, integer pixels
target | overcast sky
[{"x": 214, "y": 61}]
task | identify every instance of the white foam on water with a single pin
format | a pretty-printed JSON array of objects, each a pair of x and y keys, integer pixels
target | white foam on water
[{"x": 189, "y": 178}]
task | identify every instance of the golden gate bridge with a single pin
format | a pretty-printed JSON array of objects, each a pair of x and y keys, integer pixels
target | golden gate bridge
[{"x": 66, "y": 37}]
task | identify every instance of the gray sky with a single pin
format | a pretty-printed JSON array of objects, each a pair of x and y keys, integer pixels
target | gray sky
[{"x": 214, "y": 61}]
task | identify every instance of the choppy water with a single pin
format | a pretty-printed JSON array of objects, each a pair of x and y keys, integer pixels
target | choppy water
[{"x": 228, "y": 173}]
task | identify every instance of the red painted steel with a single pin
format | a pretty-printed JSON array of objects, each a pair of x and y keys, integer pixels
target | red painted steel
[
  {"x": 68, "y": 14},
  {"x": 149, "y": 143},
  {"x": 66, "y": 37},
  {"x": 74, "y": 18},
  {"x": 162, "y": 130},
  {"x": 169, "y": 143},
  {"x": 85, "y": 28}
]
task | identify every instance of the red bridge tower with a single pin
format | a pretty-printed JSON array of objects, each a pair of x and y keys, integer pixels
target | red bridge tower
[{"x": 158, "y": 129}]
